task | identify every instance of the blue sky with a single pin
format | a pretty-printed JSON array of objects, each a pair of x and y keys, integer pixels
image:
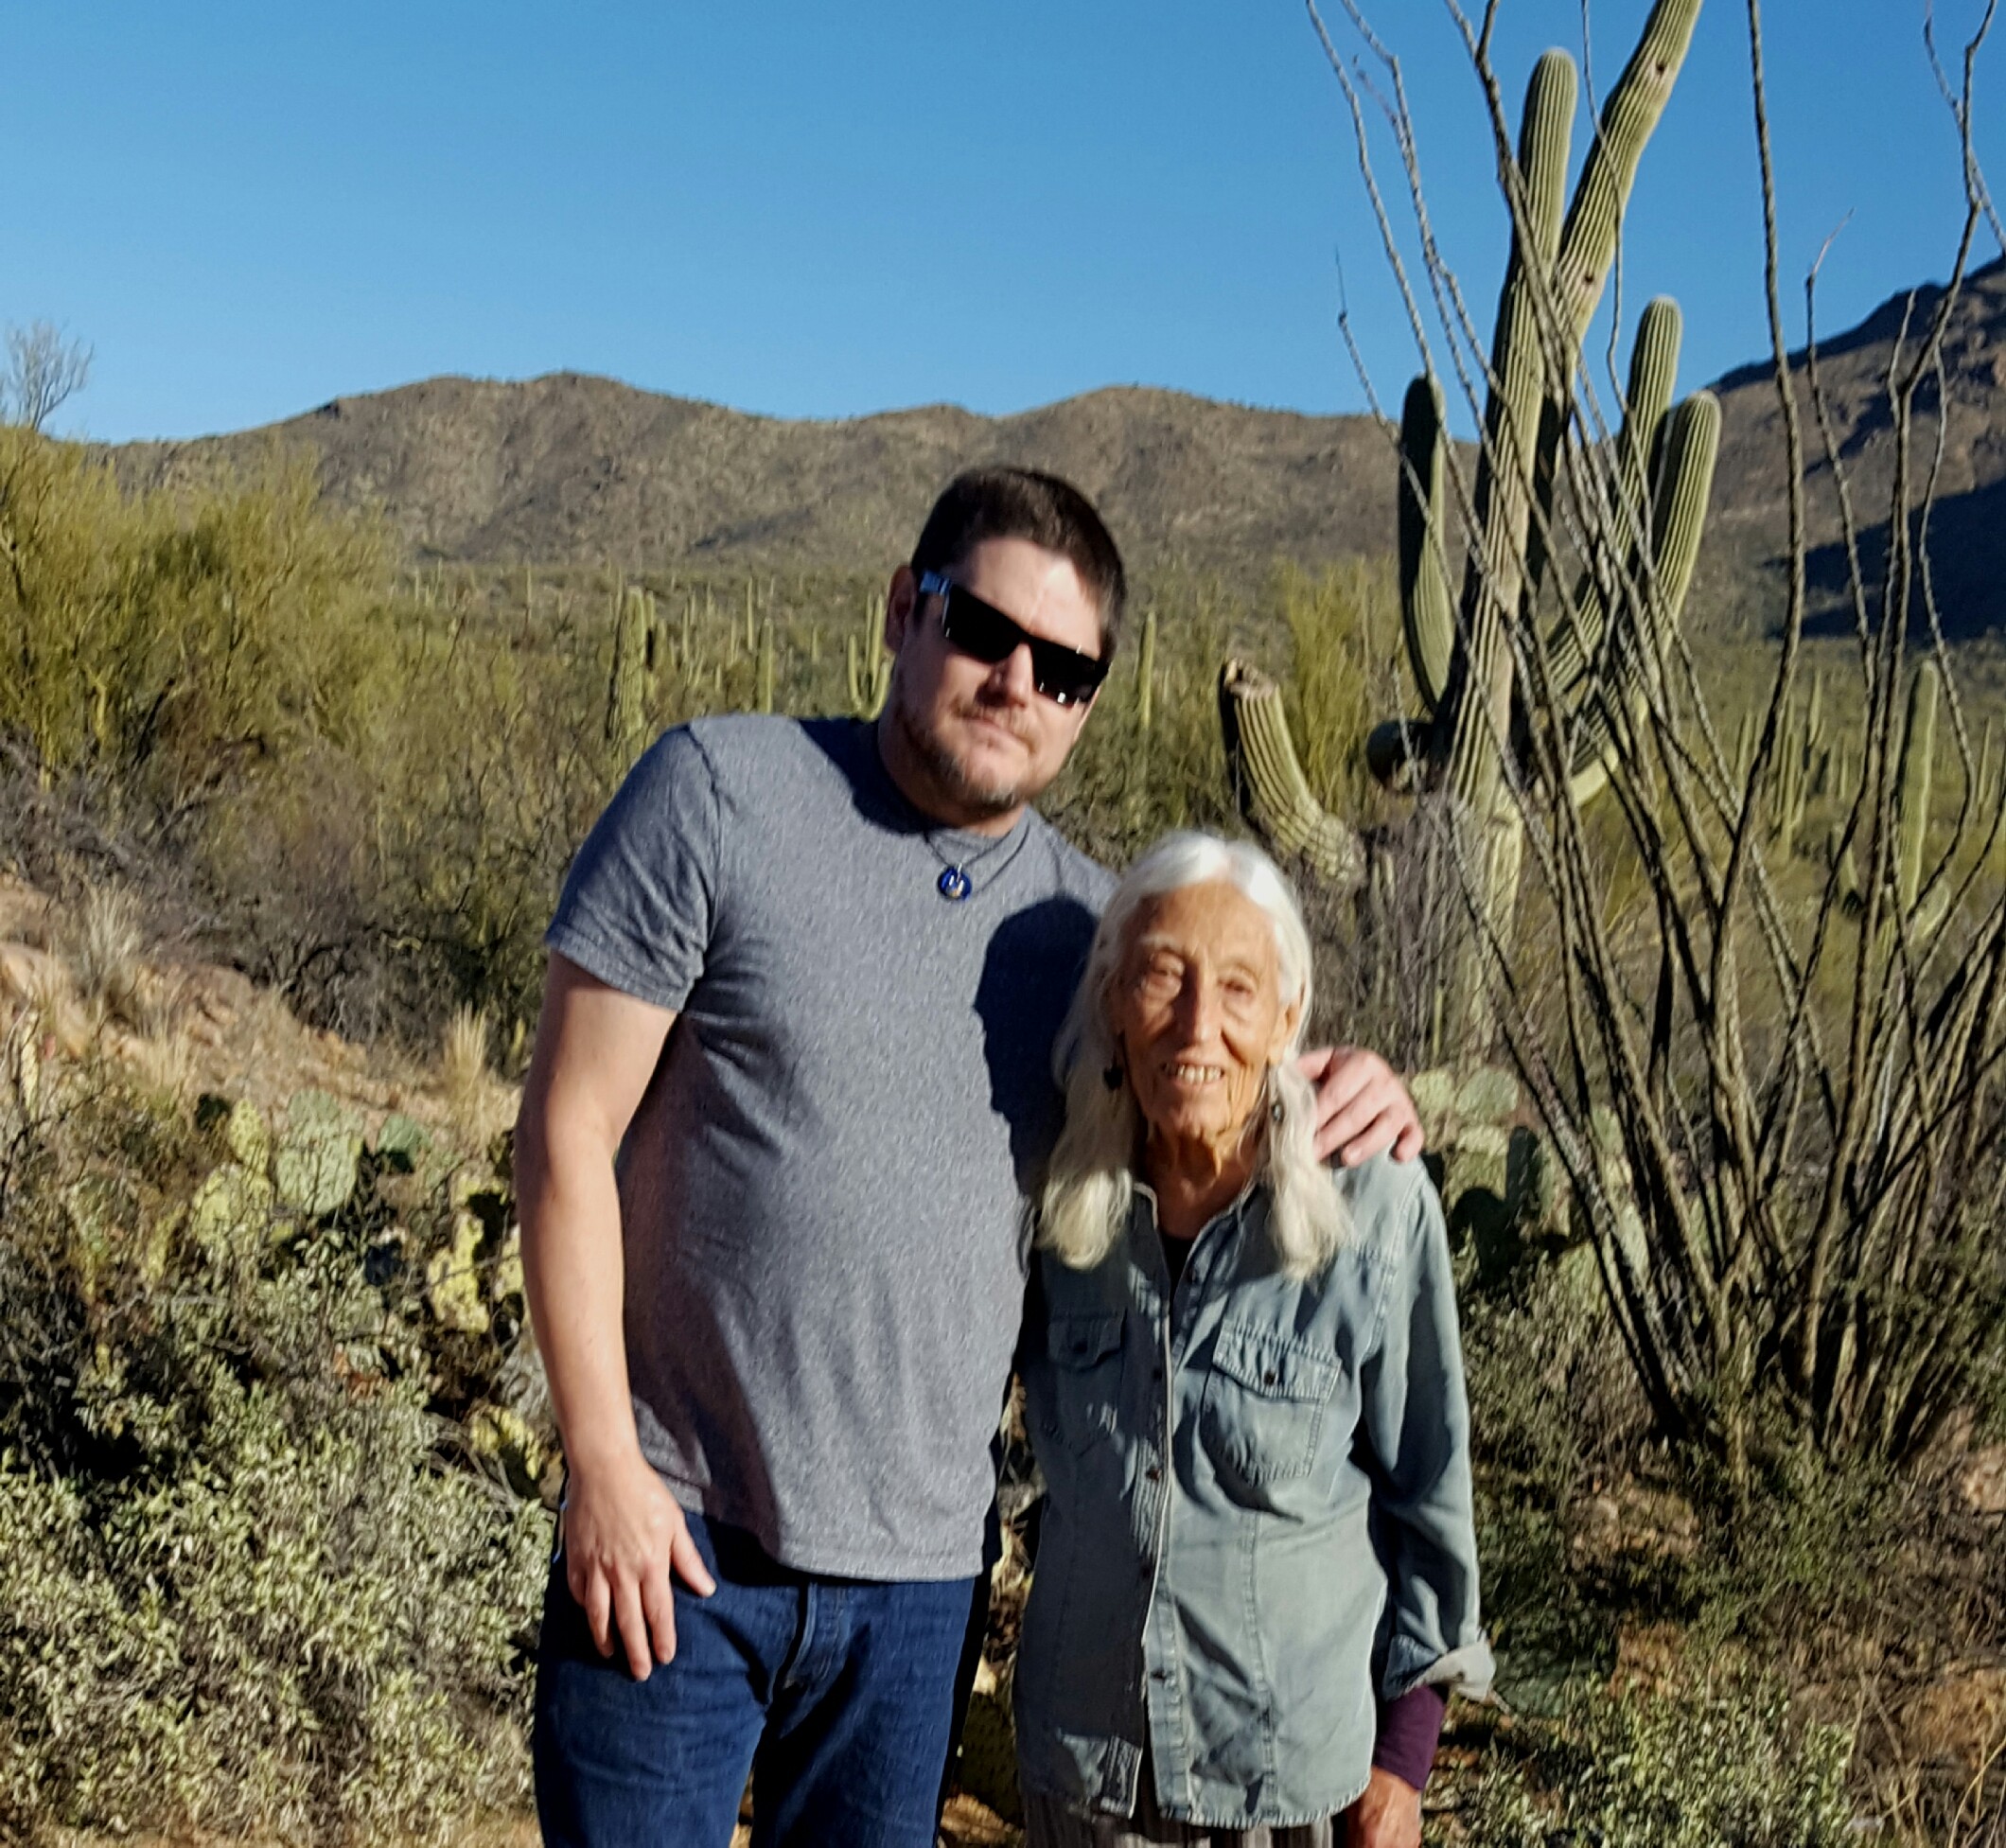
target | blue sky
[{"x": 812, "y": 210}]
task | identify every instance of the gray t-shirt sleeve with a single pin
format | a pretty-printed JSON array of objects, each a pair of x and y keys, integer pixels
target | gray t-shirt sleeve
[{"x": 639, "y": 905}]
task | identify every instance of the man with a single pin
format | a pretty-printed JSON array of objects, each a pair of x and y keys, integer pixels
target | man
[{"x": 804, "y": 984}]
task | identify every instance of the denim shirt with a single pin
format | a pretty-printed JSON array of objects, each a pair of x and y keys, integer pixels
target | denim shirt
[{"x": 1259, "y": 1516}]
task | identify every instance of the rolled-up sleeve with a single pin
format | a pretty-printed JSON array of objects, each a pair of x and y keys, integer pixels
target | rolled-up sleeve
[{"x": 1416, "y": 1420}]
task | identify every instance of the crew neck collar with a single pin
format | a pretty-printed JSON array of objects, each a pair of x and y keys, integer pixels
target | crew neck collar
[{"x": 903, "y": 814}]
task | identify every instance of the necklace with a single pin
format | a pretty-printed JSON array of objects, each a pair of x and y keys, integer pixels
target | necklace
[{"x": 955, "y": 883}]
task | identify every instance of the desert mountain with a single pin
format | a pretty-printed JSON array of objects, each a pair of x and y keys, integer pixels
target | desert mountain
[
  {"x": 572, "y": 470},
  {"x": 1965, "y": 402}
]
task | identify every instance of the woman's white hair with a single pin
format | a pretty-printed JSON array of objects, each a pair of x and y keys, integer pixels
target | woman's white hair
[{"x": 1090, "y": 1184}]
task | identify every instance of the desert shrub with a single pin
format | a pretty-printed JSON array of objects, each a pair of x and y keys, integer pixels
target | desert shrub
[
  {"x": 1345, "y": 629},
  {"x": 1554, "y": 1418},
  {"x": 172, "y": 637},
  {"x": 248, "y": 1580},
  {"x": 1728, "y": 1769}
]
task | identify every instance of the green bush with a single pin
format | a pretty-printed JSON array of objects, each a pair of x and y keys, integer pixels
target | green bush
[
  {"x": 170, "y": 638},
  {"x": 253, "y": 1575},
  {"x": 1726, "y": 1770}
]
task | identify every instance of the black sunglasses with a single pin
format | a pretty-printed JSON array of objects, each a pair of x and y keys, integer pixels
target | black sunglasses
[{"x": 983, "y": 633}]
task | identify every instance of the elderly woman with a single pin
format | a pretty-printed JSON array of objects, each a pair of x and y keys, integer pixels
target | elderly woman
[{"x": 1256, "y": 1579}]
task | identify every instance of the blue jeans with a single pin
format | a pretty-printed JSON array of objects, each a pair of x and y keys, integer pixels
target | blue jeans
[{"x": 834, "y": 1694}]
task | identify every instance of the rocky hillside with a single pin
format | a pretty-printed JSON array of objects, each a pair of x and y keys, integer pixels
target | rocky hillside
[
  {"x": 569, "y": 469},
  {"x": 1750, "y": 526}
]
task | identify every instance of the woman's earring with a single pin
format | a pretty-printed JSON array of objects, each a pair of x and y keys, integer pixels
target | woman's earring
[{"x": 1275, "y": 1113}]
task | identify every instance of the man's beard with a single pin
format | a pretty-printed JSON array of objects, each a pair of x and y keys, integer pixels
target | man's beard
[{"x": 982, "y": 799}]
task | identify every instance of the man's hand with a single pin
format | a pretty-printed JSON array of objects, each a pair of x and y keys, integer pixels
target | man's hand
[
  {"x": 1362, "y": 1106},
  {"x": 1387, "y": 1816},
  {"x": 623, "y": 1534}
]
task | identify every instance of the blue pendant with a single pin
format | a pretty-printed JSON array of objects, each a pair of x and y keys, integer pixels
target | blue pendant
[{"x": 953, "y": 883}]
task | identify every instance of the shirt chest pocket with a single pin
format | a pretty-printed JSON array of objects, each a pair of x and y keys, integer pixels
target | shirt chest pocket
[
  {"x": 1086, "y": 1377},
  {"x": 1265, "y": 1400}
]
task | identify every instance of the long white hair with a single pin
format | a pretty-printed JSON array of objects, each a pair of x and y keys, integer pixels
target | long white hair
[{"x": 1090, "y": 1184}]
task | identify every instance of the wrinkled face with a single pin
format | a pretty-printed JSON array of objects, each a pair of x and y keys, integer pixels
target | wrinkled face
[
  {"x": 1197, "y": 1010},
  {"x": 987, "y": 740}
]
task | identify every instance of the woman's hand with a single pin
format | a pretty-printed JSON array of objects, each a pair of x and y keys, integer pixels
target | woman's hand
[
  {"x": 1362, "y": 1106},
  {"x": 1387, "y": 1816}
]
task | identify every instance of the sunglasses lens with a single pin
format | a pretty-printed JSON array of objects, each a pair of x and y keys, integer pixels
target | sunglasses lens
[
  {"x": 1067, "y": 679},
  {"x": 983, "y": 633},
  {"x": 979, "y": 631}
]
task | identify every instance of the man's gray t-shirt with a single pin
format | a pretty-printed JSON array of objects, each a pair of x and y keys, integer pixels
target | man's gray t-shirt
[{"x": 821, "y": 1191}]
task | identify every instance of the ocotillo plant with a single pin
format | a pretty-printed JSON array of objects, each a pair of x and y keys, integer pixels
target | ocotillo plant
[
  {"x": 1469, "y": 659},
  {"x": 866, "y": 666},
  {"x": 1782, "y": 1127}
]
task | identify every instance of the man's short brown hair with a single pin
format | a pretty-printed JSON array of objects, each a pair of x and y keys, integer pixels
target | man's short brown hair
[{"x": 1024, "y": 504}]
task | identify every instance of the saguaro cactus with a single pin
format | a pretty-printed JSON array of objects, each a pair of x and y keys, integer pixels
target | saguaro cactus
[
  {"x": 1603, "y": 654},
  {"x": 1146, "y": 674},
  {"x": 630, "y": 683},
  {"x": 865, "y": 665},
  {"x": 1917, "y": 776},
  {"x": 764, "y": 692}
]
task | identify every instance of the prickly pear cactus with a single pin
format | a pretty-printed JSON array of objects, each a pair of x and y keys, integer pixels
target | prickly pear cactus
[
  {"x": 505, "y": 1436},
  {"x": 1502, "y": 1188},
  {"x": 314, "y": 1163},
  {"x": 452, "y": 1279},
  {"x": 402, "y": 1142},
  {"x": 247, "y": 1135},
  {"x": 232, "y": 1213}
]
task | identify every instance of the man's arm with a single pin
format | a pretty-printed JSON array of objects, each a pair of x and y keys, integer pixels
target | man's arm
[
  {"x": 596, "y": 1049},
  {"x": 1362, "y": 1106}
]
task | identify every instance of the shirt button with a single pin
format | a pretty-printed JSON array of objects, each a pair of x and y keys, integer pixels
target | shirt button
[
  {"x": 1153, "y": 1474},
  {"x": 1271, "y": 1377}
]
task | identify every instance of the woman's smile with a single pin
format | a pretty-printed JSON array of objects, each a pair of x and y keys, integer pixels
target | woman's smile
[{"x": 1198, "y": 1014}]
